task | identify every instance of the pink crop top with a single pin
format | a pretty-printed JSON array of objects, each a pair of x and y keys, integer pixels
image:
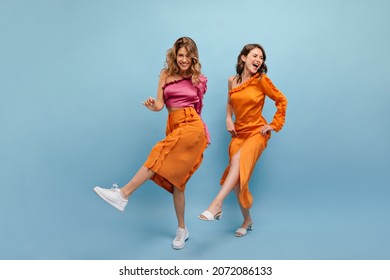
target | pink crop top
[{"x": 183, "y": 93}]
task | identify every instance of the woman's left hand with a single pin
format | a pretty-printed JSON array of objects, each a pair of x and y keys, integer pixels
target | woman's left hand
[{"x": 265, "y": 129}]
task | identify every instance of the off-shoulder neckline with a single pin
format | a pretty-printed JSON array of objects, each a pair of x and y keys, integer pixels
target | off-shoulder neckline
[
  {"x": 244, "y": 84},
  {"x": 176, "y": 81}
]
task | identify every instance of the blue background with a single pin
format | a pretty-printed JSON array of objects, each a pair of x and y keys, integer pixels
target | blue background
[{"x": 73, "y": 76}]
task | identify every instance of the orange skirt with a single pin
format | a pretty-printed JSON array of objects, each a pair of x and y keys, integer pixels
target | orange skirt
[
  {"x": 251, "y": 148},
  {"x": 180, "y": 154}
]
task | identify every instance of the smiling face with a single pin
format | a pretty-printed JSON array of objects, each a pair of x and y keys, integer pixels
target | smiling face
[
  {"x": 183, "y": 60},
  {"x": 253, "y": 60}
]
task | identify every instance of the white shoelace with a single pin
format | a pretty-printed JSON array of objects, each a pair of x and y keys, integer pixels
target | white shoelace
[
  {"x": 180, "y": 234},
  {"x": 114, "y": 187}
]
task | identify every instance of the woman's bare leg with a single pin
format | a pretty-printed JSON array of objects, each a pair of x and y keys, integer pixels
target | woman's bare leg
[
  {"x": 179, "y": 203},
  {"x": 142, "y": 175},
  {"x": 231, "y": 180},
  {"x": 245, "y": 212}
]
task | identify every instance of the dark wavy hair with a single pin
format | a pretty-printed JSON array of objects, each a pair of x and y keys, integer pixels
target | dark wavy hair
[
  {"x": 241, "y": 64},
  {"x": 171, "y": 66}
]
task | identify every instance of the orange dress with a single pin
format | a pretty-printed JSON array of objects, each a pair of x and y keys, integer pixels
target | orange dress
[{"x": 247, "y": 101}]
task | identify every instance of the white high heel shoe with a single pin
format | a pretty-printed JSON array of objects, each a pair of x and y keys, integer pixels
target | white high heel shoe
[
  {"x": 208, "y": 216},
  {"x": 240, "y": 232}
]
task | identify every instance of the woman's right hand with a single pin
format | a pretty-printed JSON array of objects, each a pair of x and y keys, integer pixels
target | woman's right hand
[
  {"x": 230, "y": 127},
  {"x": 150, "y": 103}
]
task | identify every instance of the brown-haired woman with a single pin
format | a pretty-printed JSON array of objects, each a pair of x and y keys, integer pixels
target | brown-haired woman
[
  {"x": 250, "y": 131},
  {"x": 173, "y": 160}
]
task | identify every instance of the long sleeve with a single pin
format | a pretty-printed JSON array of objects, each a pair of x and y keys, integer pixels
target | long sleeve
[{"x": 280, "y": 102}]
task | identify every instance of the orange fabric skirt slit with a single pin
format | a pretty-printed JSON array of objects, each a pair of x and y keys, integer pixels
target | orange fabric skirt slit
[{"x": 251, "y": 149}]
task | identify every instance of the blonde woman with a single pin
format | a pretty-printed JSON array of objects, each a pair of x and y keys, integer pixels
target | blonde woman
[{"x": 173, "y": 161}]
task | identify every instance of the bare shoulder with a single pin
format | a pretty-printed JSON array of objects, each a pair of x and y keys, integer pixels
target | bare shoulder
[
  {"x": 232, "y": 82},
  {"x": 163, "y": 77},
  {"x": 232, "y": 78},
  {"x": 164, "y": 74}
]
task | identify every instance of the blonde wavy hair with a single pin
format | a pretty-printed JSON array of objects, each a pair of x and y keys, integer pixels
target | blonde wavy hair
[{"x": 171, "y": 66}]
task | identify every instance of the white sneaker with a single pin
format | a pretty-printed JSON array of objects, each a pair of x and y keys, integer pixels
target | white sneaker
[
  {"x": 113, "y": 196},
  {"x": 182, "y": 235}
]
